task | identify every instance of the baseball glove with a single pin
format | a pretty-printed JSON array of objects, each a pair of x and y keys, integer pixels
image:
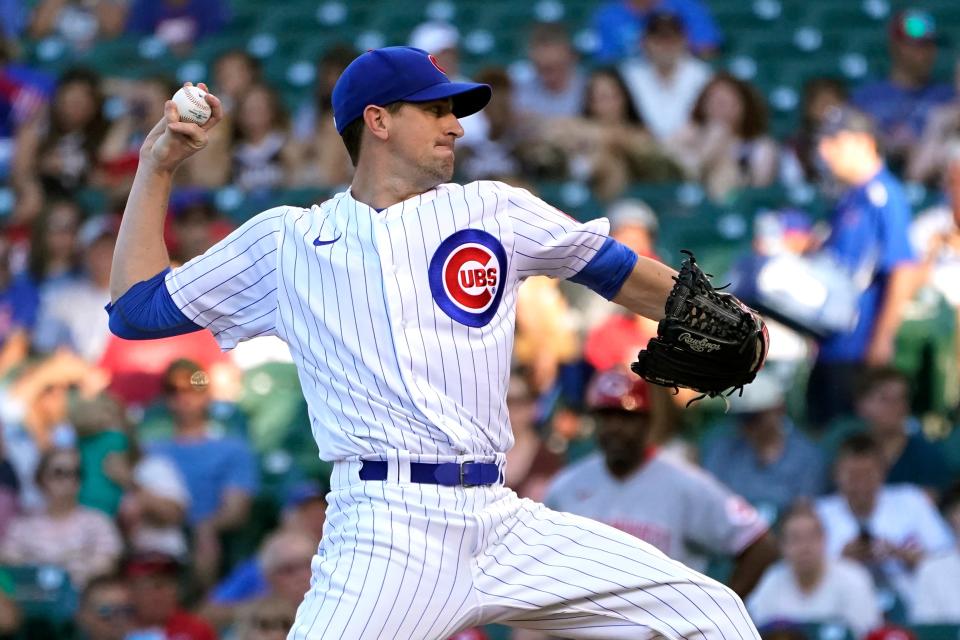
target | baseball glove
[{"x": 708, "y": 341}]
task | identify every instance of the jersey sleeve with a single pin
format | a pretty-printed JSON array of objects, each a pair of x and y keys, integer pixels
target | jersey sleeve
[
  {"x": 548, "y": 242},
  {"x": 718, "y": 519},
  {"x": 232, "y": 288}
]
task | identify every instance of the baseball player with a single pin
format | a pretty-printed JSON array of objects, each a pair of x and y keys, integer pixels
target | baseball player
[
  {"x": 397, "y": 299},
  {"x": 677, "y": 507}
]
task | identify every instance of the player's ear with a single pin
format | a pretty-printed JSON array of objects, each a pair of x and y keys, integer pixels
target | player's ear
[{"x": 376, "y": 118}]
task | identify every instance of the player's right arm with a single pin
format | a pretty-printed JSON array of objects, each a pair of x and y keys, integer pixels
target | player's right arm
[
  {"x": 231, "y": 289},
  {"x": 141, "y": 253}
]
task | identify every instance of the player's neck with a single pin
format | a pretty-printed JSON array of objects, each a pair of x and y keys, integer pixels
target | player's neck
[{"x": 379, "y": 189}]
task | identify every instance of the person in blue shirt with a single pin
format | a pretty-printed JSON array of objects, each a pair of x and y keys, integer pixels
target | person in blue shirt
[
  {"x": 221, "y": 473},
  {"x": 901, "y": 103},
  {"x": 620, "y": 25},
  {"x": 868, "y": 238}
]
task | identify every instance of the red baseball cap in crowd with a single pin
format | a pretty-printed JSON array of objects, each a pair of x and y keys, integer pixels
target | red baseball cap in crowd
[{"x": 618, "y": 389}]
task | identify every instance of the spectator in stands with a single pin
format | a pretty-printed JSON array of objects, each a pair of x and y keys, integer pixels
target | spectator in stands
[
  {"x": 83, "y": 541},
  {"x": 281, "y": 568},
  {"x": 24, "y": 92},
  {"x": 143, "y": 102},
  {"x": 18, "y": 312},
  {"x": 136, "y": 369},
  {"x": 105, "y": 610},
  {"x": 929, "y": 157},
  {"x": 557, "y": 85},
  {"x": 104, "y": 450},
  {"x": 196, "y": 224},
  {"x": 154, "y": 583},
  {"x": 59, "y": 154},
  {"x": 882, "y": 404},
  {"x": 935, "y": 234},
  {"x": 79, "y": 23},
  {"x": 530, "y": 463},
  {"x": 153, "y": 512},
  {"x": 901, "y": 103},
  {"x": 9, "y": 490},
  {"x": 269, "y": 618},
  {"x": 54, "y": 255},
  {"x": 33, "y": 413},
  {"x": 321, "y": 162},
  {"x": 666, "y": 81},
  {"x": 178, "y": 23},
  {"x": 505, "y": 148},
  {"x": 937, "y": 598},
  {"x": 262, "y": 157},
  {"x": 869, "y": 239},
  {"x": 620, "y": 26},
  {"x": 71, "y": 312},
  {"x": 666, "y": 502},
  {"x": 889, "y": 529},
  {"x": 767, "y": 460},
  {"x": 234, "y": 72},
  {"x": 808, "y": 587},
  {"x": 608, "y": 144},
  {"x": 727, "y": 145},
  {"x": 220, "y": 472},
  {"x": 801, "y": 164}
]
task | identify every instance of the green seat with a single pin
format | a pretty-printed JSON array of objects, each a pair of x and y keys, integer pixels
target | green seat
[
  {"x": 44, "y": 593},
  {"x": 936, "y": 631}
]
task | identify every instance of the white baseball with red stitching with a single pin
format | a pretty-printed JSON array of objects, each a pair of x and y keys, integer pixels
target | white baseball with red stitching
[{"x": 192, "y": 105}]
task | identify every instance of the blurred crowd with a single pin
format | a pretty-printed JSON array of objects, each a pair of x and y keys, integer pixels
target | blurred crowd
[{"x": 164, "y": 489}]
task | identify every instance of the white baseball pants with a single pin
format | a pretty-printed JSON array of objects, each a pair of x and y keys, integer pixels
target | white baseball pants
[{"x": 405, "y": 561}]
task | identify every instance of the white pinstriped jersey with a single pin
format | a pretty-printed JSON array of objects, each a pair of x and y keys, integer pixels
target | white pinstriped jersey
[{"x": 401, "y": 322}]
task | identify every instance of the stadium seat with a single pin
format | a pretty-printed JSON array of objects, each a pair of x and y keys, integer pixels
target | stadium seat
[
  {"x": 46, "y": 598},
  {"x": 936, "y": 631}
]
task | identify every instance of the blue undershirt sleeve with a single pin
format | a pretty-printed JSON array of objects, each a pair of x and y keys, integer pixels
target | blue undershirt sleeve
[
  {"x": 608, "y": 269},
  {"x": 146, "y": 311}
]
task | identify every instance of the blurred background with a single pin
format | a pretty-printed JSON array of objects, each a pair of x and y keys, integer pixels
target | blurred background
[{"x": 807, "y": 151}]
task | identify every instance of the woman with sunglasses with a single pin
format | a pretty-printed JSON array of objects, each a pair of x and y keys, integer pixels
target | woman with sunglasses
[{"x": 82, "y": 541}]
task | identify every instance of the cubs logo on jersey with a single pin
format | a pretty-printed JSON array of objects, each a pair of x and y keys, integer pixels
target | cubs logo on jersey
[{"x": 466, "y": 276}]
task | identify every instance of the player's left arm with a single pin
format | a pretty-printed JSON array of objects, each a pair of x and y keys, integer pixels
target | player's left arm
[
  {"x": 646, "y": 289},
  {"x": 551, "y": 243}
]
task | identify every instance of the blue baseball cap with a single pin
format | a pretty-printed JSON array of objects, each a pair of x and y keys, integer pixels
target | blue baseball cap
[{"x": 392, "y": 74}]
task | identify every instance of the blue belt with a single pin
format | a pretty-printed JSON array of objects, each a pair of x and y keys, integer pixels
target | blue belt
[{"x": 448, "y": 474}]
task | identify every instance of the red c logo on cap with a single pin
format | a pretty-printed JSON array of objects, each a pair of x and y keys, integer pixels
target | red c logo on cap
[{"x": 433, "y": 61}]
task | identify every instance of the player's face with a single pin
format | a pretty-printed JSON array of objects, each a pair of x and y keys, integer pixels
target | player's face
[
  {"x": 422, "y": 136},
  {"x": 622, "y": 436}
]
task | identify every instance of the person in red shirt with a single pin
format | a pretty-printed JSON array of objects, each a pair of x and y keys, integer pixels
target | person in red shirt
[{"x": 154, "y": 580}]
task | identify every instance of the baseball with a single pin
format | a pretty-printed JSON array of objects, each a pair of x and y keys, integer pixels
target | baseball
[{"x": 192, "y": 105}]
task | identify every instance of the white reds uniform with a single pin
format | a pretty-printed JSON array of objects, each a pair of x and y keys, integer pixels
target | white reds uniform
[
  {"x": 401, "y": 325},
  {"x": 680, "y": 509}
]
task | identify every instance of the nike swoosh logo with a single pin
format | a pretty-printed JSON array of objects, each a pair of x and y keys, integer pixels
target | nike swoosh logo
[{"x": 319, "y": 243}]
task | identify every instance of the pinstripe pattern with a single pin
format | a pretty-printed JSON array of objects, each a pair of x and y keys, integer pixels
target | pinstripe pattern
[
  {"x": 394, "y": 372},
  {"x": 400, "y": 560},
  {"x": 382, "y": 366}
]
